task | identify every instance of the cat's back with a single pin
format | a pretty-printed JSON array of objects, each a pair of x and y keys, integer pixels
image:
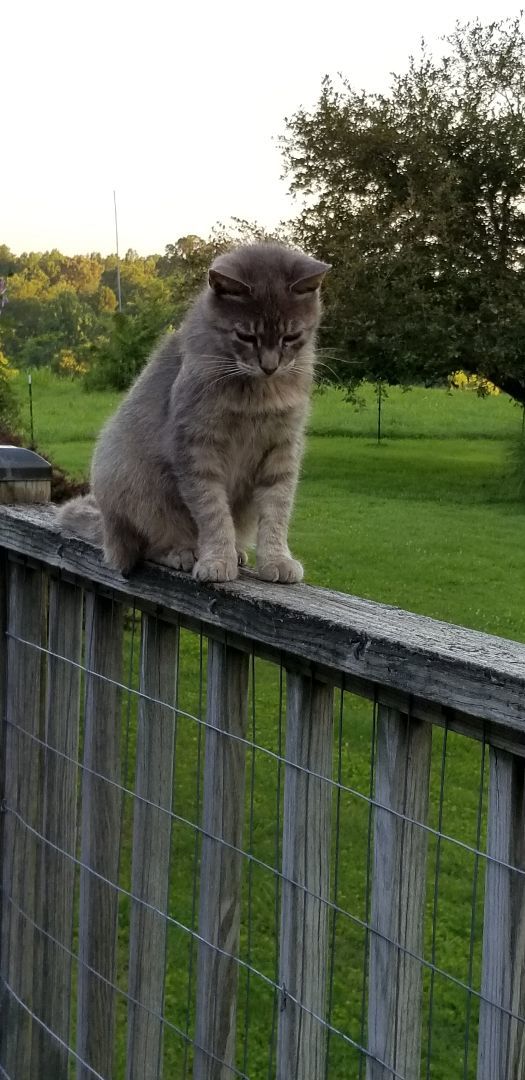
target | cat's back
[
  {"x": 146, "y": 403},
  {"x": 133, "y": 435},
  {"x": 150, "y": 394}
]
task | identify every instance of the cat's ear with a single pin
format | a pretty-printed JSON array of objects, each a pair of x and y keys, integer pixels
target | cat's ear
[
  {"x": 224, "y": 285},
  {"x": 311, "y": 279}
]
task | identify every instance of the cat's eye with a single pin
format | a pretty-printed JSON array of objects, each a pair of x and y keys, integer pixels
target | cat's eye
[
  {"x": 288, "y": 339},
  {"x": 250, "y": 339}
]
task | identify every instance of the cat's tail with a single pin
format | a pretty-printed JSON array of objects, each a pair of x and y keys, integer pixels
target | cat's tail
[{"x": 82, "y": 517}]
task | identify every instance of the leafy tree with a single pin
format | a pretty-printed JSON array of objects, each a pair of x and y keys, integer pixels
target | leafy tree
[
  {"x": 135, "y": 275},
  {"x": 117, "y": 360},
  {"x": 65, "y": 306},
  {"x": 185, "y": 263},
  {"x": 417, "y": 196},
  {"x": 105, "y": 300},
  {"x": 8, "y": 405},
  {"x": 8, "y": 261},
  {"x": 40, "y": 350}
]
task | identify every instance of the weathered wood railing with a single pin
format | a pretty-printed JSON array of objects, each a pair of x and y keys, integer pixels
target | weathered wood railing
[{"x": 62, "y": 627}]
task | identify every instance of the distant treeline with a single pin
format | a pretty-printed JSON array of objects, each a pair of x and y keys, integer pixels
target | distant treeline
[{"x": 62, "y": 311}]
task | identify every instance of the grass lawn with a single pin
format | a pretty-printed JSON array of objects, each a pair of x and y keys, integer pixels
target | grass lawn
[{"x": 429, "y": 521}]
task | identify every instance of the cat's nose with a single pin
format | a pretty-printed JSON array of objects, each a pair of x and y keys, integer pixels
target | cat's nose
[{"x": 269, "y": 361}]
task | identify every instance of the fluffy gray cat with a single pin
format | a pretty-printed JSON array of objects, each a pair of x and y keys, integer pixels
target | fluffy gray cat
[{"x": 201, "y": 459}]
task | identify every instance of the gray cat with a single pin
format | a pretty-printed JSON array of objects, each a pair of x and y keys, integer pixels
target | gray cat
[{"x": 201, "y": 459}]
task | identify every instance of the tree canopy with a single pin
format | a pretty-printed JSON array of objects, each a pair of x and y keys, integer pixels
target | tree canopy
[
  {"x": 417, "y": 197},
  {"x": 62, "y": 310}
]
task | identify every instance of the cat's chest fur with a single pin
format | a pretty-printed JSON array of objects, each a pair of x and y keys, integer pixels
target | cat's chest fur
[
  {"x": 247, "y": 445},
  {"x": 239, "y": 429}
]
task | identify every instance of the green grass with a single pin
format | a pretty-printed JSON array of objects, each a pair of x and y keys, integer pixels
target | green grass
[
  {"x": 417, "y": 414},
  {"x": 430, "y": 521},
  {"x": 66, "y": 420}
]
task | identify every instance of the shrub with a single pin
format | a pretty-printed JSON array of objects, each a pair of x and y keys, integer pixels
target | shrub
[
  {"x": 459, "y": 380},
  {"x": 118, "y": 360},
  {"x": 70, "y": 366},
  {"x": 8, "y": 404}
]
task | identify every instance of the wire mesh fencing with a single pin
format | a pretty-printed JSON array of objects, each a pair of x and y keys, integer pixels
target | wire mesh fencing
[{"x": 216, "y": 865}]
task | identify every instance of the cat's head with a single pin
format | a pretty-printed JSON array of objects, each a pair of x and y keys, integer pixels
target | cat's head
[{"x": 263, "y": 302}]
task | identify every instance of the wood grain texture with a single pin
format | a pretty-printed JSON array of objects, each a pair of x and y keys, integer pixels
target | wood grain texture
[
  {"x": 501, "y": 1045},
  {"x": 100, "y": 840},
  {"x": 151, "y": 847},
  {"x": 25, "y": 491},
  {"x": 398, "y": 895},
  {"x": 477, "y": 674},
  {"x": 4, "y": 914},
  {"x": 60, "y": 783},
  {"x": 23, "y": 790},
  {"x": 306, "y": 855},
  {"x": 221, "y": 868}
]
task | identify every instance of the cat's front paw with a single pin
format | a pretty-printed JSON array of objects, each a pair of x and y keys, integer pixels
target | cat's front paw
[
  {"x": 283, "y": 568},
  {"x": 222, "y": 568},
  {"x": 178, "y": 560}
]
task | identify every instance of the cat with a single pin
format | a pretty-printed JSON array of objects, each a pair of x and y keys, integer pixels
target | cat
[{"x": 201, "y": 460}]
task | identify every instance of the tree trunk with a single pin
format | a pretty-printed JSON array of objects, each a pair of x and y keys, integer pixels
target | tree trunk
[{"x": 515, "y": 388}]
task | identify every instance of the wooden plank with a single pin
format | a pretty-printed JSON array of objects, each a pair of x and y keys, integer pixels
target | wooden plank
[
  {"x": 501, "y": 1045},
  {"x": 6, "y": 826},
  {"x": 220, "y": 878},
  {"x": 100, "y": 843},
  {"x": 301, "y": 1044},
  {"x": 25, "y": 491},
  {"x": 474, "y": 673},
  {"x": 60, "y": 822},
  {"x": 23, "y": 791},
  {"x": 4, "y": 915},
  {"x": 398, "y": 895},
  {"x": 151, "y": 847}
]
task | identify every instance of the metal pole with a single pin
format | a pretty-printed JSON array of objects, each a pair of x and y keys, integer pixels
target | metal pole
[
  {"x": 119, "y": 294},
  {"x": 30, "y": 389}
]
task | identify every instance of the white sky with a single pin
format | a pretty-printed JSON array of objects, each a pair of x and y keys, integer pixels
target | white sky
[{"x": 176, "y": 105}]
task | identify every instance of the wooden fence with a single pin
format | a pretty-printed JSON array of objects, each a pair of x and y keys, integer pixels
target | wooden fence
[{"x": 141, "y": 939}]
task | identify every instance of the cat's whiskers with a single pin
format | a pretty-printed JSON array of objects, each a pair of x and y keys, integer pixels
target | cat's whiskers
[
  {"x": 323, "y": 364},
  {"x": 337, "y": 359},
  {"x": 211, "y": 368},
  {"x": 223, "y": 360},
  {"x": 222, "y": 378},
  {"x": 306, "y": 369}
]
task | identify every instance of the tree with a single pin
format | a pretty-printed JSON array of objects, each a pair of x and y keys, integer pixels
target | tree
[
  {"x": 62, "y": 305},
  {"x": 185, "y": 264},
  {"x": 119, "y": 358},
  {"x": 8, "y": 261},
  {"x": 187, "y": 261},
  {"x": 417, "y": 197},
  {"x": 8, "y": 404}
]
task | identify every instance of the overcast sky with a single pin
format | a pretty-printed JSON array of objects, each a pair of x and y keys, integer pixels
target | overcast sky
[{"x": 176, "y": 105}]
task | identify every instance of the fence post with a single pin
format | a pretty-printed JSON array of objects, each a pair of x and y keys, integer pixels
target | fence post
[
  {"x": 501, "y": 1045},
  {"x": 398, "y": 895},
  {"x": 57, "y": 891},
  {"x": 151, "y": 846},
  {"x": 220, "y": 877},
  {"x": 301, "y": 1046},
  {"x": 4, "y": 914},
  {"x": 25, "y": 477},
  {"x": 23, "y": 793},
  {"x": 101, "y": 811}
]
